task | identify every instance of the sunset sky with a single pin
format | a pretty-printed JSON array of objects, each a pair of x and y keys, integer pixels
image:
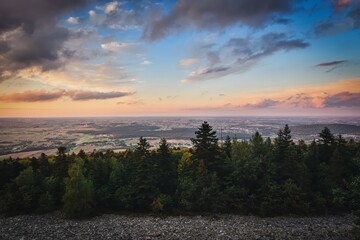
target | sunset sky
[{"x": 72, "y": 58}]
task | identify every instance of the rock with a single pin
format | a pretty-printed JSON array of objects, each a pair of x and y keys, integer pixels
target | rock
[{"x": 110, "y": 226}]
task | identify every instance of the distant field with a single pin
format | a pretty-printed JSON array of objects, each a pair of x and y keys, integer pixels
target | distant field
[{"x": 31, "y": 137}]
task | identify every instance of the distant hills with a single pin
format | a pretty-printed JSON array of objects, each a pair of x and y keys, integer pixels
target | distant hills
[{"x": 334, "y": 128}]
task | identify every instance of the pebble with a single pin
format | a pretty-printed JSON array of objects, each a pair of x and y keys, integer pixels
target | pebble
[{"x": 111, "y": 226}]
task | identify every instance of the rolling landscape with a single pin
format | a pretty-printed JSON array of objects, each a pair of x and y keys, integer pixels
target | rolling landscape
[
  {"x": 31, "y": 137},
  {"x": 180, "y": 119}
]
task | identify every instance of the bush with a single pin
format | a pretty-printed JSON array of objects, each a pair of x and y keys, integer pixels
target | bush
[{"x": 163, "y": 204}]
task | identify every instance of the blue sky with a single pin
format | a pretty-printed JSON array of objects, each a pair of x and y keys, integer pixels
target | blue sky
[{"x": 206, "y": 57}]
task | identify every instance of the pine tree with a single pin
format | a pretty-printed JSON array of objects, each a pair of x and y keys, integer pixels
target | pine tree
[
  {"x": 227, "y": 147},
  {"x": 326, "y": 145},
  {"x": 282, "y": 144},
  {"x": 206, "y": 147},
  {"x": 258, "y": 145},
  {"x": 144, "y": 180},
  {"x": 166, "y": 169},
  {"x": 142, "y": 148},
  {"x": 283, "y": 139},
  {"x": 326, "y": 137}
]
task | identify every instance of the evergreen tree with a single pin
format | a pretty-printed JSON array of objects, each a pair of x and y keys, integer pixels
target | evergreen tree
[
  {"x": 166, "y": 169},
  {"x": 282, "y": 144},
  {"x": 258, "y": 146},
  {"x": 326, "y": 145},
  {"x": 143, "y": 147},
  {"x": 283, "y": 140},
  {"x": 206, "y": 147},
  {"x": 227, "y": 147},
  {"x": 326, "y": 137},
  {"x": 144, "y": 182}
]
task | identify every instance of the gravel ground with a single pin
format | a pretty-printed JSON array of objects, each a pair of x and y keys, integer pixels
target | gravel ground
[{"x": 109, "y": 226}]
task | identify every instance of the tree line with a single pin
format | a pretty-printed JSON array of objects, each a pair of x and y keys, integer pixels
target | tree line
[{"x": 259, "y": 176}]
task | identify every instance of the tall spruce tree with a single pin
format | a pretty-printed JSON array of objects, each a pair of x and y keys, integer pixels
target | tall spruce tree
[
  {"x": 282, "y": 144},
  {"x": 144, "y": 182},
  {"x": 207, "y": 148},
  {"x": 166, "y": 169},
  {"x": 326, "y": 145}
]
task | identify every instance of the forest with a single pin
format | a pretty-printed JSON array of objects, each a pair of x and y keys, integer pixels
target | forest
[{"x": 259, "y": 176}]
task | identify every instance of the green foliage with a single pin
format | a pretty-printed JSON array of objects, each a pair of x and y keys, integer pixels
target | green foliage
[
  {"x": 206, "y": 147},
  {"x": 283, "y": 199},
  {"x": 78, "y": 197},
  {"x": 165, "y": 169},
  {"x": 163, "y": 204},
  {"x": 249, "y": 177}
]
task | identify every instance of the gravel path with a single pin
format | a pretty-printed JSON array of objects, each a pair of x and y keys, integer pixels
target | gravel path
[{"x": 109, "y": 226}]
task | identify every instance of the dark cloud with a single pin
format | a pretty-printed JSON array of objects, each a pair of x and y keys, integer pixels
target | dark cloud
[
  {"x": 284, "y": 21},
  {"x": 215, "y": 70},
  {"x": 340, "y": 5},
  {"x": 31, "y": 36},
  {"x": 263, "y": 104},
  {"x": 246, "y": 53},
  {"x": 324, "y": 28},
  {"x": 207, "y": 14},
  {"x": 331, "y": 65},
  {"x": 345, "y": 17},
  {"x": 79, "y": 95},
  {"x": 34, "y": 96},
  {"x": 327, "y": 64},
  {"x": 354, "y": 15},
  {"x": 55, "y": 94},
  {"x": 343, "y": 99}
]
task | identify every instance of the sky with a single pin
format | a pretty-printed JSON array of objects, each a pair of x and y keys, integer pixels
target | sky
[{"x": 76, "y": 58}]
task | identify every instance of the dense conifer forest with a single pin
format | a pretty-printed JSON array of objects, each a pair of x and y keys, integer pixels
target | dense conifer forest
[{"x": 258, "y": 176}]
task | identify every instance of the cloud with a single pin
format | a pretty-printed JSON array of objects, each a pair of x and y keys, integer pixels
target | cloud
[
  {"x": 92, "y": 13},
  {"x": 146, "y": 62},
  {"x": 333, "y": 65},
  {"x": 213, "y": 13},
  {"x": 354, "y": 15},
  {"x": 303, "y": 100},
  {"x": 171, "y": 97},
  {"x": 345, "y": 17},
  {"x": 55, "y": 94},
  {"x": 30, "y": 35},
  {"x": 341, "y": 4},
  {"x": 129, "y": 48},
  {"x": 265, "y": 103},
  {"x": 188, "y": 62},
  {"x": 111, "y": 7},
  {"x": 343, "y": 99},
  {"x": 327, "y": 64},
  {"x": 212, "y": 57},
  {"x": 79, "y": 95},
  {"x": 34, "y": 96},
  {"x": 124, "y": 15},
  {"x": 73, "y": 20},
  {"x": 245, "y": 54},
  {"x": 135, "y": 102},
  {"x": 114, "y": 46}
]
